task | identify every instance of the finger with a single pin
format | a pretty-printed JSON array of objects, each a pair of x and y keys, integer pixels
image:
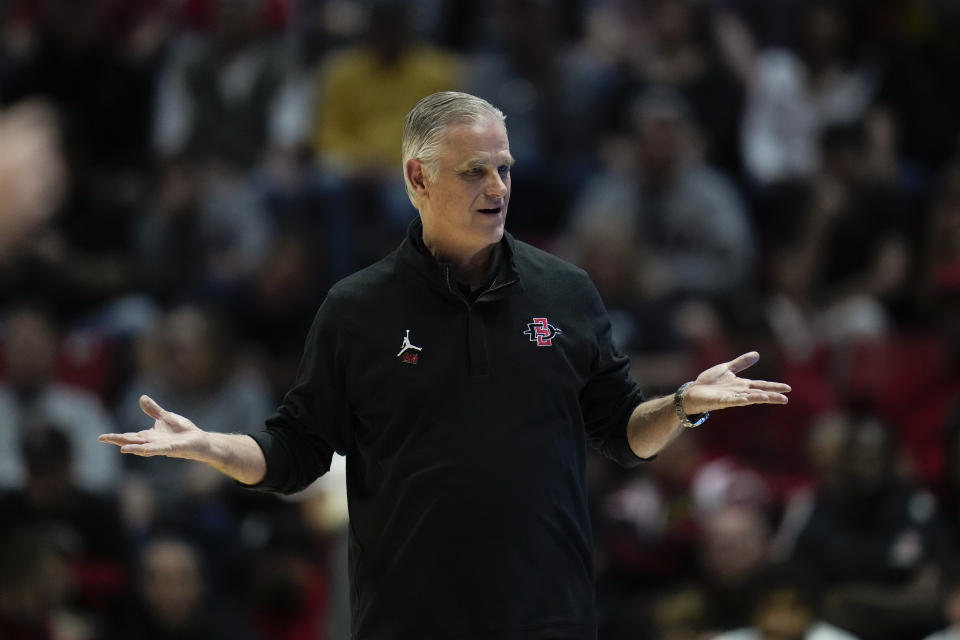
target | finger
[
  {"x": 740, "y": 363},
  {"x": 776, "y": 387},
  {"x": 145, "y": 450},
  {"x": 151, "y": 408},
  {"x": 149, "y": 449},
  {"x": 760, "y": 397},
  {"x": 121, "y": 438}
]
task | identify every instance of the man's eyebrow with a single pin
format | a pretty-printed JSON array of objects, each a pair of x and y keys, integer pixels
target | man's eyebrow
[{"x": 480, "y": 162}]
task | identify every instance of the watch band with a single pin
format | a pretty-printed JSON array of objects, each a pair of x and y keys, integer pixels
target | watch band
[{"x": 689, "y": 422}]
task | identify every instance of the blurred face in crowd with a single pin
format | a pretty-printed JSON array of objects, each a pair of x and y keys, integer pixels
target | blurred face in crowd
[
  {"x": 46, "y": 453},
  {"x": 389, "y": 30},
  {"x": 463, "y": 203},
  {"x": 192, "y": 361},
  {"x": 735, "y": 543},
  {"x": 824, "y": 33},
  {"x": 870, "y": 463},
  {"x": 782, "y": 615},
  {"x": 662, "y": 135},
  {"x": 30, "y": 350},
  {"x": 35, "y": 577},
  {"x": 171, "y": 582},
  {"x": 671, "y": 21},
  {"x": 828, "y": 436}
]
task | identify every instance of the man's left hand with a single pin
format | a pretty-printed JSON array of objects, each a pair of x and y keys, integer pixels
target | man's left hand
[{"x": 720, "y": 387}]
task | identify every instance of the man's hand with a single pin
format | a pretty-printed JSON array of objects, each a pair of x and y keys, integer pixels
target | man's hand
[
  {"x": 653, "y": 424},
  {"x": 172, "y": 435},
  {"x": 719, "y": 387}
]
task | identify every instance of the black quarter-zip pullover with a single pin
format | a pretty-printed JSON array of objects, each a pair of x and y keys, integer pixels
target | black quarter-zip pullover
[{"x": 464, "y": 421}]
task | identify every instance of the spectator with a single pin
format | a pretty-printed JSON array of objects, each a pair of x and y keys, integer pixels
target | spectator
[
  {"x": 101, "y": 97},
  {"x": 362, "y": 95},
  {"x": 173, "y": 600},
  {"x": 735, "y": 548},
  {"x": 688, "y": 225},
  {"x": 85, "y": 526},
  {"x": 785, "y": 606},
  {"x": 34, "y": 586},
  {"x": 793, "y": 96},
  {"x": 275, "y": 310},
  {"x": 205, "y": 234},
  {"x": 31, "y": 396},
  {"x": 32, "y": 174},
  {"x": 671, "y": 45},
  {"x": 847, "y": 263},
  {"x": 873, "y": 537},
  {"x": 221, "y": 99},
  {"x": 364, "y": 92}
]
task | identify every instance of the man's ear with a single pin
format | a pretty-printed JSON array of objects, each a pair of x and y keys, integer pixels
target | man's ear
[{"x": 416, "y": 176}]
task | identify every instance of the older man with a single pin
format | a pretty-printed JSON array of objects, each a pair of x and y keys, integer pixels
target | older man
[{"x": 461, "y": 376}]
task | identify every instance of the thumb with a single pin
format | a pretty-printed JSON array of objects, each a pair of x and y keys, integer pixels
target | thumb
[
  {"x": 744, "y": 361},
  {"x": 151, "y": 408}
]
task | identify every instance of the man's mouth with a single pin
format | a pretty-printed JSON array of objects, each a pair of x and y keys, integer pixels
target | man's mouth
[{"x": 492, "y": 211}]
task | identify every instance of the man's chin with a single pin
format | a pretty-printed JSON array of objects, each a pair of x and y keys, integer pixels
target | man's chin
[{"x": 495, "y": 232}]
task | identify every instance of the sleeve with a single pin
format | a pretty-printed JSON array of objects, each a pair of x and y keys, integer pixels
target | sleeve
[
  {"x": 610, "y": 394},
  {"x": 313, "y": 420}
]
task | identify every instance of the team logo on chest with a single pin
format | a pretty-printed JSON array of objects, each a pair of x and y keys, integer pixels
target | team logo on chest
[
  {"x": 409, "y": 353},
  {"x": 542, "y": 332}
]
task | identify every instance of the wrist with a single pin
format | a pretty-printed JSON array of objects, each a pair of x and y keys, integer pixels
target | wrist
[
  {"x": 209, "y": 449},
  {"x": 687, "y": 420}
]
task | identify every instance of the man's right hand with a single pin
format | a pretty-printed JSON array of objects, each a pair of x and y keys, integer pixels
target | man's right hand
[{"x": 174, "y": 436}]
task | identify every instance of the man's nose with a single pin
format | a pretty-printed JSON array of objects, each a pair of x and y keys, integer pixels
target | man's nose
[{"x": 496, "y": 187}]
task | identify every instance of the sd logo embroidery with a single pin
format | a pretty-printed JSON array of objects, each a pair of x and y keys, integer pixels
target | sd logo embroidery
[{"x": 542, "y": 332}]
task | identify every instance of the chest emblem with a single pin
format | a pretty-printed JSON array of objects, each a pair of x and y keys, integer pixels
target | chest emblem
[
  {"x": 409, "y": 353},
  {"x": 542, "y": 332}
]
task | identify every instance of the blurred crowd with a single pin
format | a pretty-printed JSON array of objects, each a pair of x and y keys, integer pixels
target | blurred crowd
[{"x": 182, "y": 180}]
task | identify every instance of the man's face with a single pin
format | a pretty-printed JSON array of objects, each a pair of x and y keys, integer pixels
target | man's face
[{"x": 464, "y": 204}]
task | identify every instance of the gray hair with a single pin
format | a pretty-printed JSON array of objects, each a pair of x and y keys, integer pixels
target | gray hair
[{"x": 426, "y": 122}]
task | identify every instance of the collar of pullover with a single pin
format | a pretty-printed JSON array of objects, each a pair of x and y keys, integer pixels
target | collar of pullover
[{"x": 501, "y": 274}]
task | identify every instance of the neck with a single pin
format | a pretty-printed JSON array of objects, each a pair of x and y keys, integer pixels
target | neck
[{"x": 470, "y": 263}]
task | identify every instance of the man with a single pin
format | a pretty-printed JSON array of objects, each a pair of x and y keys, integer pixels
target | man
[{"x": 465, "y": 455}]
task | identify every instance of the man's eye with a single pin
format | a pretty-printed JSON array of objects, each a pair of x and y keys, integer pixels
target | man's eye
[
  {"x": 473, "y": 171},
  {"x": 503, "y": 169}
]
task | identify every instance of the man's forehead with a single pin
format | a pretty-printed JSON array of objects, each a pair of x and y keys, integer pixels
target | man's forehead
[{"x": 477, "y": 143}]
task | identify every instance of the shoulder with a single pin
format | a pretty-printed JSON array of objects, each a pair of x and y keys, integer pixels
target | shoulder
[
  {"x": 370, "y": 286},
  {"x": 535, "y": 262},
  {"x": 547, "y": 277}
]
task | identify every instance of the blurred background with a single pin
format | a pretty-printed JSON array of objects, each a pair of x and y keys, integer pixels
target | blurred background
[{"x": 182, "y": 180}]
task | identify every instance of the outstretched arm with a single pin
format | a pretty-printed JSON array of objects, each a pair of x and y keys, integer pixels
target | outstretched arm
[
  {"x": 654, "y": 423},
  {"x": 174, "y": 436}
]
